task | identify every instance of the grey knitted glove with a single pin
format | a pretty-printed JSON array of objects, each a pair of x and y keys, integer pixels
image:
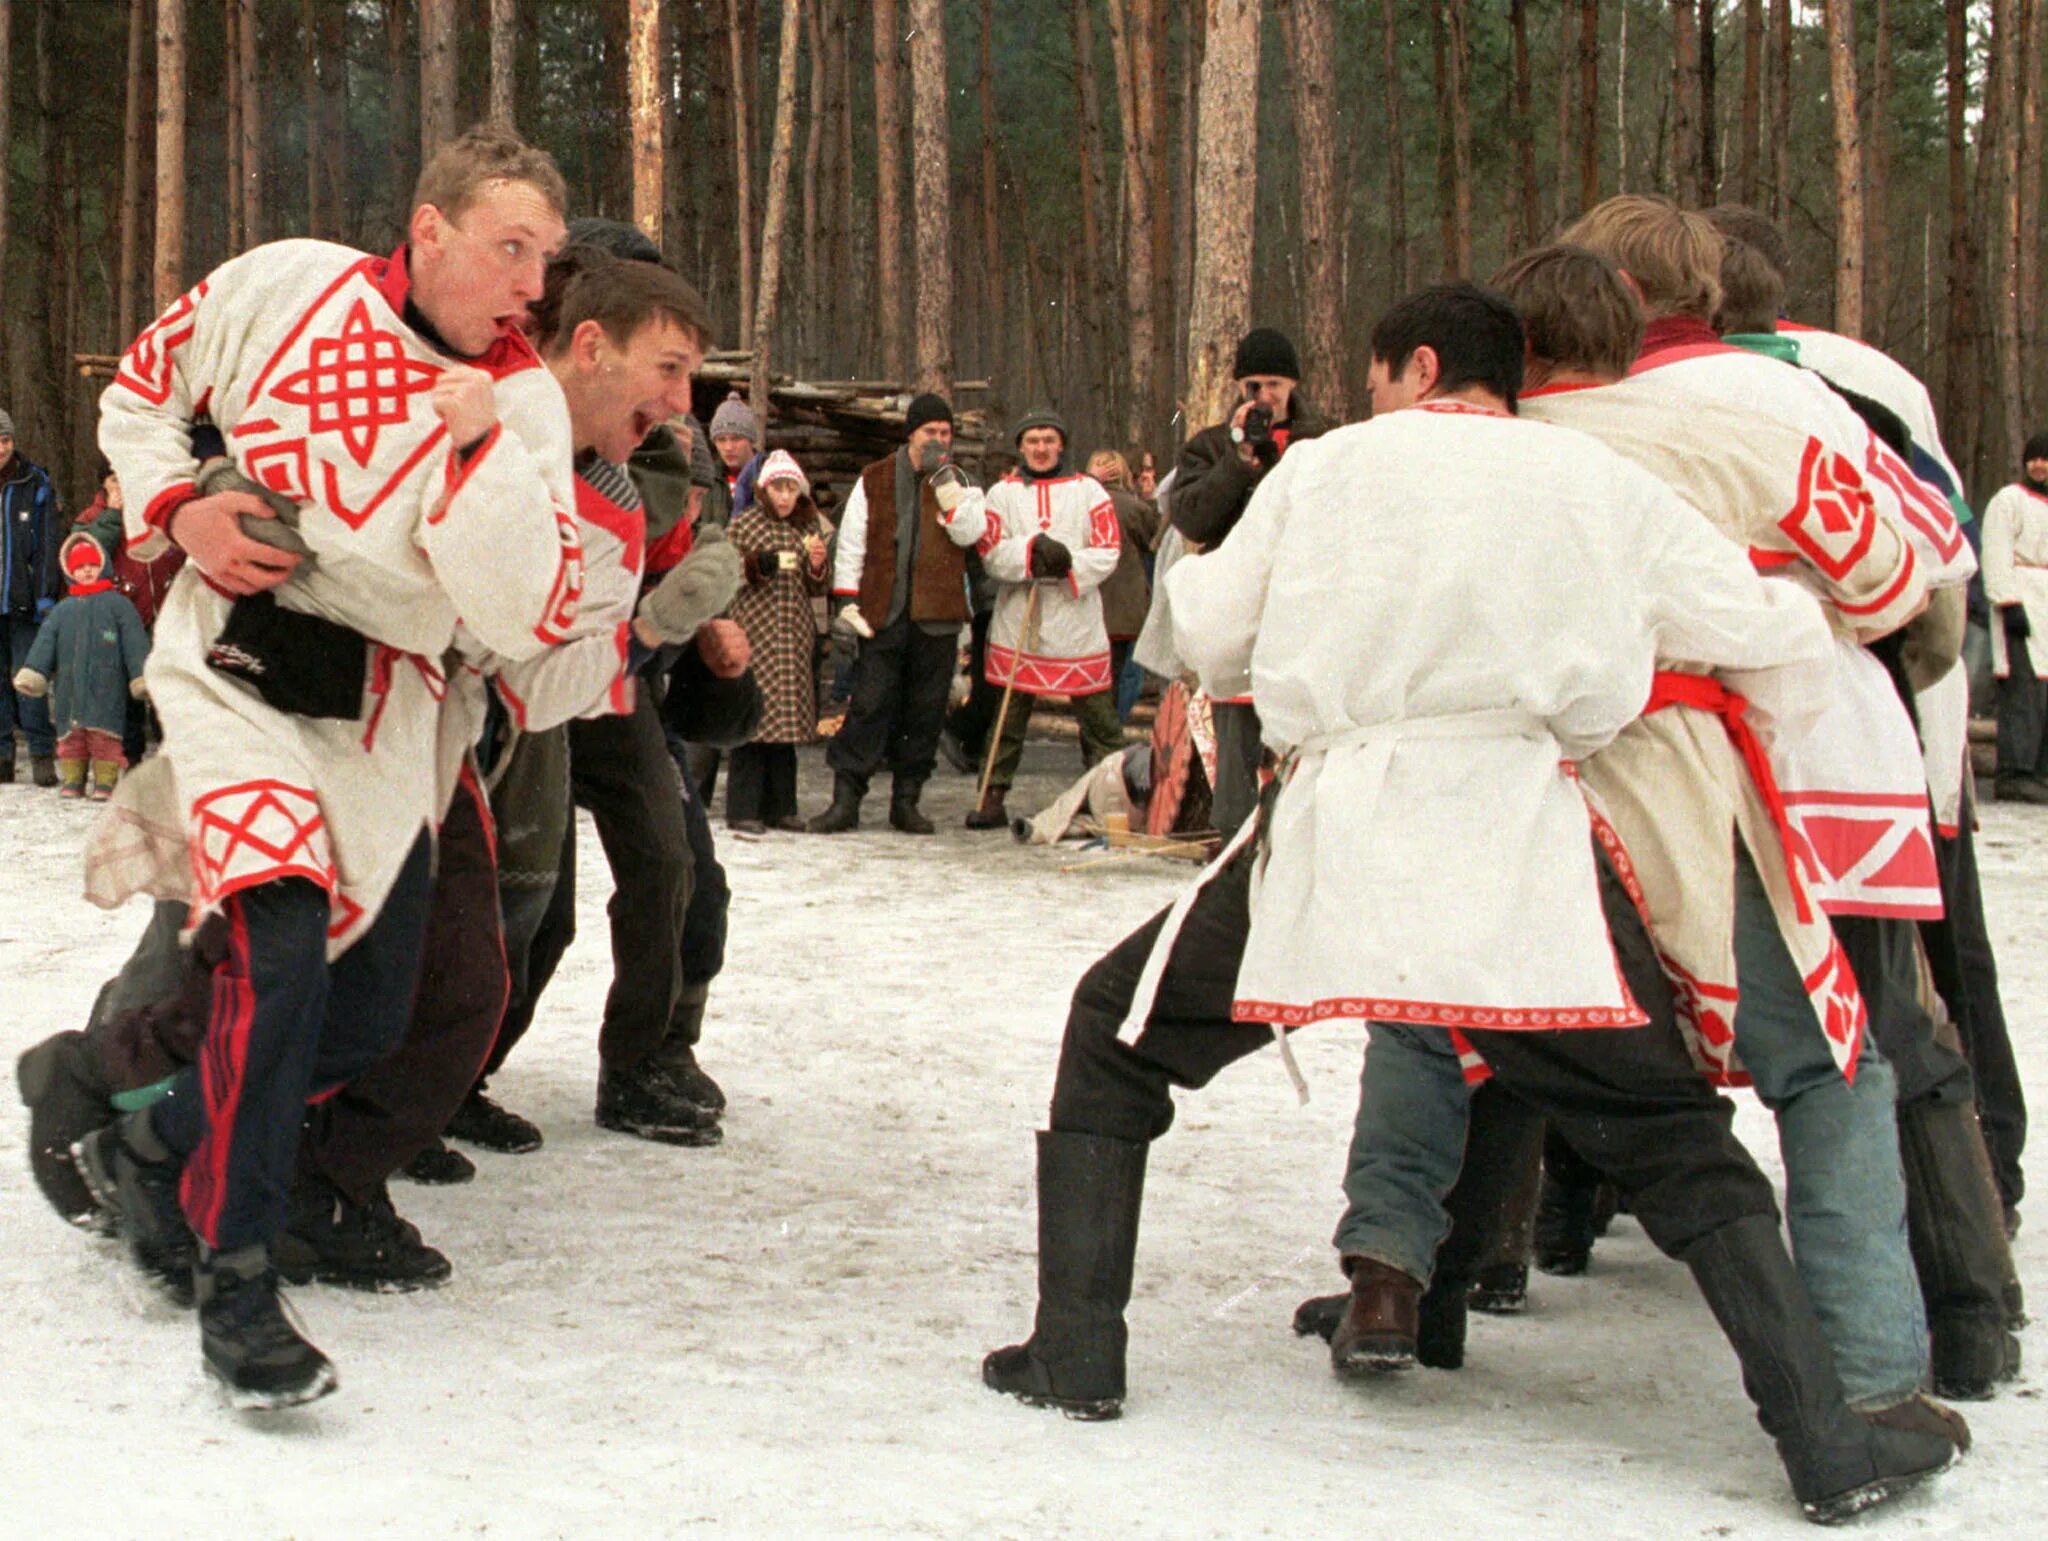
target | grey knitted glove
[
  {"x": 282, "y": 533},
  {"x": 695, "y": 590}
]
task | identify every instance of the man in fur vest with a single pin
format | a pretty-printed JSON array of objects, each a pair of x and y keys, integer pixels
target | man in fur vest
[
  {"x": 899, "y": 590},
  {"x": 1049, "y": 537}
]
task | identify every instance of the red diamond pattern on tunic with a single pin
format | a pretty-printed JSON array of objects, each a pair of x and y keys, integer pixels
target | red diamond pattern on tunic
[
  {"x": 255, "y": 832},
  {"x": 282, "y": 467},
  {"x": 357, "y": 384},
  {"x": 1834, "y": 518},
  {"x": 1103, "y": 529},
  {"x": 146, "y": 367}
]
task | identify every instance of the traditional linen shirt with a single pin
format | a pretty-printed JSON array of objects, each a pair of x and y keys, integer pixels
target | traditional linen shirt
[
  {"x": 301, "y": 353},
  {"x": 1429, "y": 856},
  {"x": 2016, "y": 570}
]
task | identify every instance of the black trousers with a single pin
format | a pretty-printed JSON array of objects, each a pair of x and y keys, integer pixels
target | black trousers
[
  {"x": 398, "y": 1107},
  {"x": 2022, "y": 713},
  {"x": 1882, "y": 952},
  {"x": 1238, "y": 753},
  {"x": 1966, "y": 973},
  {"x": 900, "y": 682},
  {"x": 760, "y": 783},
  {"x": 1630, "y": 1100},
  {"x": 971, "y": 721},
  {"x": 620, "y": 769}
]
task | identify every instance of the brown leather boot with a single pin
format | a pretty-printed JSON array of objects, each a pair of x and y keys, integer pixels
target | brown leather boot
[
  {"x": 990, "y": 815},
  {"x": 1380, "y": 1322}
]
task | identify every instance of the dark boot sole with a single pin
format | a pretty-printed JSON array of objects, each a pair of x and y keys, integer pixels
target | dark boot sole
[
  {"x": 664, "y": 1134},
  {"x": 366, "y": 1284},
  {"x": 1839, "y": 1508},
  {"x": 248, "y": 1399},
  {"x": 1380, "y": 1355},
  {"x": 1106, "y": 1410},
  {"x": 1498, "y": 1302}
]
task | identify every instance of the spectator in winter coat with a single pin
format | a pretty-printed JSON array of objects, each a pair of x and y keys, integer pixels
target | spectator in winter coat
[
  {"x": 1218, "y": 470},
  {"x": 1127, "y": 592},
  {"x": 145, "y": 583},
  {"x": 782, "y": 553},
  {"x": 736, "y": 448},
  {"x": 88, "y": 659},
  {"x": 31, "y": 583}
]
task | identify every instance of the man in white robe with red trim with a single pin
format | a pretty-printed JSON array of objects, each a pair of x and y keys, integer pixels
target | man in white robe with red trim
[
  {"x": 1855, "y": 781},
  {"x": 2016, "y": 583},
  {"x": 1429, "y": 861},
  {"x": 398, "y": 408},
  {"x": 1049, "y": 537}
]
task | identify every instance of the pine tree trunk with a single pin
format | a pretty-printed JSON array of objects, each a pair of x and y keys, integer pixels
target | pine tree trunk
[
  {"x": 776, "y": 220},
  {"x": 129, "y": 303},
  {"x": 845, "y": 294},
  {"x": 889, "y": 192},
  {"x": 1710, "y": 141},
  {"x": 743, "y": 163},
  {"x": 1589, "y": 104},
  {"x": 1226, "y": 196},
  {"x": 1567, "y": 58},
  {"x": 231, "y": 96},
  {"x": 251, "y": 92},
  {"x": 332, "y": 131},
  {"x": 1459, "y": 42},
  {"x": 932, "y": 194},
  {"x": 1877, "y": 182},
  {"x": 504, "y": 71},
  {"x": 1525, "y": 210},
  {"x": 1148, "y": 55},
  {"x": 1140, "y": 319},
  {"x": 1781, "y": 108},
  {"x": 2034, "y": 48},
  {"x": 648, "y": 105},
  {"x": 1397, "y": 156},
  {"x": 317, "y": 224},
  {"x": 2003, "y": 145},
  {"x": 675, "y": 170},
  {"x": 1095, "y": 221},
  {"x": 1685, "y": 104},
  {"x": 1746, "y": 186},
  {"x": 169, "y": 271},
  {"x": 401, "y": 168},
  {"x": 1960, "y": 411},
  {"x": 991, "y": 228},
  {"x": 1840, "y": 19},
  {"x": 813, "y": 292},
  {"x": 1311, "y": 60},
  {"x": 437, "y": 76}
]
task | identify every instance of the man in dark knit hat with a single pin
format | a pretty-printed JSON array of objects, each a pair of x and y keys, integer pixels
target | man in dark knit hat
[
  {"x": 1218, "y": 471},
  {"x": 899, "y": 590}
]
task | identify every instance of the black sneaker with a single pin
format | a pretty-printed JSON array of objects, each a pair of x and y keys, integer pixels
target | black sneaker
[
  {"x": 334, "y": 1240},
  {"x": 250, "y": 1345},
  {"x": 439, "y": 1167},
  {"x": 135, "y": 1180},
  {"x": 67, "y": 1099},
  {"x": 646, "y": 1101},
  {"x": 480, "y": 1121}
]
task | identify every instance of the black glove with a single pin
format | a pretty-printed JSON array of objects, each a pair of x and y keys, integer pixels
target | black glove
[
  {"x": 2015, "y": 618},
  {"x": 299, "y": 663},
  {"x": 1050, "y": 559}
]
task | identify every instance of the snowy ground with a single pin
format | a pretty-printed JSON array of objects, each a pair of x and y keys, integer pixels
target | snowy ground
[{"x": 781, "y": 1336}]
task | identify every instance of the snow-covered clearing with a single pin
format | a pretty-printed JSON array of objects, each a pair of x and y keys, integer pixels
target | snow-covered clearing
[{"x": 782, "y": 1336}]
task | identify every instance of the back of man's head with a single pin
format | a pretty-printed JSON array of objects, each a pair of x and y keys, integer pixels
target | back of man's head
[
  {"x": 1752, "y": 291},
  {"x": 1673, "y": 255},
  {"x": 587, "y": 283},
  {"x": 1739, "y": 222},
  {"x": 1577, "y": 310},
  {"x": 1474, "y": 332},
  {"x": 463, "y": 167}
]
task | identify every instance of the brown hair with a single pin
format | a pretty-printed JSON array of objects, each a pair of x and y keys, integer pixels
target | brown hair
[
  {"x": 1673, "y": 255},
  {"x": 1739, "y": 222},
  {"x": 587, "y": 283},
  {"x": 1577, "y": 310},
  {"x": 1114, "y": 462},
  {"x": 466, "y": 164},
  {"x": 1752, "y": 290}
]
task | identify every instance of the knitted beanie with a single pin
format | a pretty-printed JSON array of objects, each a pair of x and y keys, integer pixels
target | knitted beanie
[
  {"x": 927, "y": 408},
  {"x": 735, "y": 417},
  {"x": 1265, "y": 351},
  {"x": 6, "y": 426},
  {"x": 82, "y": 557},
  {"x": 2037, "y": 448},
  {"x": 781, "y": 466},
  {"x": 615, "y": 236},
  {"x": 1042, "y": 417}
]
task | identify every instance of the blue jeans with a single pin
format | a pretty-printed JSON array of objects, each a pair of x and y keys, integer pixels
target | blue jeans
[
  {"x": 17, "y": 636},
  {"x": 1407, "y": 1145},
  {"x": 1845, "y": 1195}
]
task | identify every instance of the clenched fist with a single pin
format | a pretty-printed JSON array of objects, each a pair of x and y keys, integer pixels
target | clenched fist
[{"x": 464, "y": 400}]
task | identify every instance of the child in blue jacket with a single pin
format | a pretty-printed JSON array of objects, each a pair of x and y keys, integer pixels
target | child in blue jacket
[{"x": 91, "y": 650}]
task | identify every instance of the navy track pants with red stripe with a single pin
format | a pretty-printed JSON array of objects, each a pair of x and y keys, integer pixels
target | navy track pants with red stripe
[{"x": 285, "y": 1028}]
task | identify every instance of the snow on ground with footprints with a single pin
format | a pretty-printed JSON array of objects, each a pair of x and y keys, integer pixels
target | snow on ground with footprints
[{"x": 781, "y": 1336}]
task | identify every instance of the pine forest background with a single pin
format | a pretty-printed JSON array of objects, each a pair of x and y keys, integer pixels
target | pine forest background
[{"x": 1081, "y": 203}]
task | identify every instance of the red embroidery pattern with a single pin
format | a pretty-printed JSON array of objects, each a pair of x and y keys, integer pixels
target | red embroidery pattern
[
  {"x": 1833, "y": 519},
  {"x": 1103, "y": 529},
  {"x": 566, "y": 597},
  {"x": 1497, "y": 1019},
  {"x": 1048, "y": 676},
  {"x": 147, "y": 366},
  {"x": 991, "y": 535},
  {"x": 357, "y": 384},
  {"x": 257, "y": 832},
  {"x": 1923, "y": 510}
]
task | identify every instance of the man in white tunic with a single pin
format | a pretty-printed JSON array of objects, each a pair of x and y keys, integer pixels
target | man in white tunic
[
  {"x": 1425, "y": 660},
  {"x": 2016, "y": 583},
  {"x": 397, "y": 408}
]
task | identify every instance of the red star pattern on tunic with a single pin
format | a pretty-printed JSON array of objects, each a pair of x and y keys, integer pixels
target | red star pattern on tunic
[
  {"x": 357, "y": 384},
  {"x": 256, "y": 832},
  {"x": 146, "y": 367},
  {"x": 1103, "y": 528},
  {"x": 1833, "y": 519}
]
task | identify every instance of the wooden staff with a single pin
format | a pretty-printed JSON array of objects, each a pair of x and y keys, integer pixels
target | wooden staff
[{"x": 995, "y": 737}]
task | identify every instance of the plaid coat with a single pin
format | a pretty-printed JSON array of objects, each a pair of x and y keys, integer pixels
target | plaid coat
[{"x": 774, "y": 608}]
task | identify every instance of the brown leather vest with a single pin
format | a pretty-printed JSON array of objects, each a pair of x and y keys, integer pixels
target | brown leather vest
[{"x": 937, "y": 587}]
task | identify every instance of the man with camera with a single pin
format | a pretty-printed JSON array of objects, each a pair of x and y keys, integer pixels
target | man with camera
[
  {"x": 1218, "y": 470},
  {"x": 899, "y": 595}
]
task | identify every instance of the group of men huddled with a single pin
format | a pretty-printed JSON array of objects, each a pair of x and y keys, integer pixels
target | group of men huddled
[
  {"x": 1605, "y": 682},
  {"x": 1607, "y": 687}
]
